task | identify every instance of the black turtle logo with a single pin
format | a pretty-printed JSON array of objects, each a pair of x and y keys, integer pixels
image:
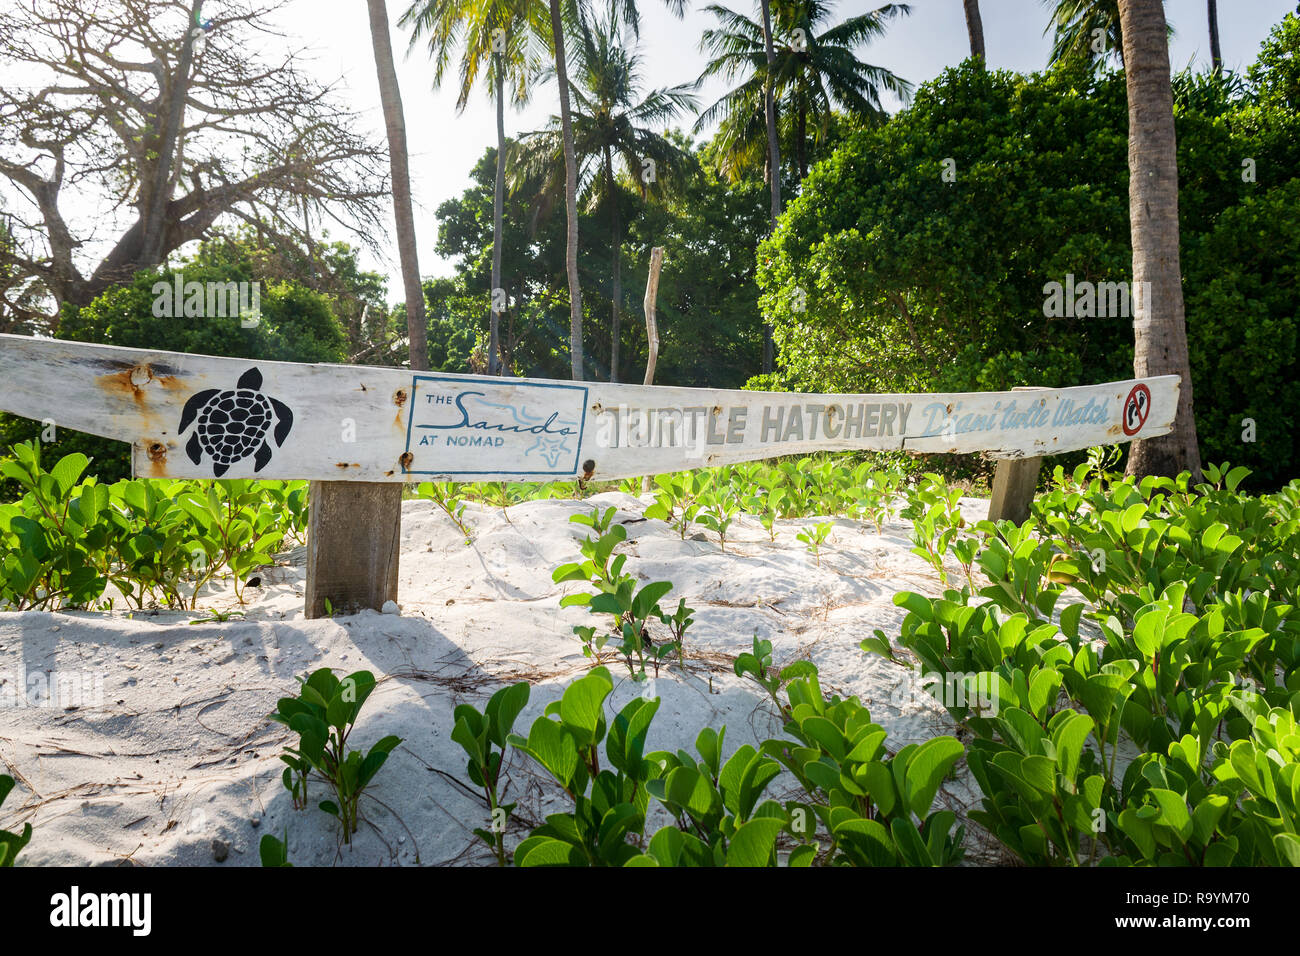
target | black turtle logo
[{"x": 232, "y": 424}]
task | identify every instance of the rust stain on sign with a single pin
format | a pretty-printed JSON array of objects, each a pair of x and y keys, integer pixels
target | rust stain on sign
[
  {"x": 157, "y": 452},
  {"x": 132, "y": 380}
]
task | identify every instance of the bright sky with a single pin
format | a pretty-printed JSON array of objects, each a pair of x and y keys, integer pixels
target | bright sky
[{"x": 444, "y": 145}]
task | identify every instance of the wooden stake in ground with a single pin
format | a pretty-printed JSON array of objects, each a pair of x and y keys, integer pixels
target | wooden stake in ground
[
  {"x": 354, "y": 538},
  {"x": 652, "y": 326},
  {"x": 1014, "y": 482}
]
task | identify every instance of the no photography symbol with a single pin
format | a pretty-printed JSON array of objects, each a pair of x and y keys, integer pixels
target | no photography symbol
[{"x": 1137, "y": 408}]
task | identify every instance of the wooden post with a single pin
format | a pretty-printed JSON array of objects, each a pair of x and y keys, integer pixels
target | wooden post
[
  {"x": 652, "y": 327},
  {"x": 1014, "y": 482},
  {"x": 354, "y": 540}
]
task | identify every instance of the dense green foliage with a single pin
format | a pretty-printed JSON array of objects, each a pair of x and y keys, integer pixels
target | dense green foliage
[
  {"x": 870, "y": 807},
  {"x": 1154, "y": 723},
  {"x": 1126, "y": 663},
  {"x": 886, "y": 274},
  {"x": 709, "y": 326},
  {"x": 66, "y": 540}
]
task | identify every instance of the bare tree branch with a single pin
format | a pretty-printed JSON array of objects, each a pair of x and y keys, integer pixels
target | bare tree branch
[{"x": 162, "y": 123}]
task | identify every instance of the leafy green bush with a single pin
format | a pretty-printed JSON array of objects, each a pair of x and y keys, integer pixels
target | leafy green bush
[
  {"x": 323, "y": 715},
  {"x": 1153, "y": 723},
  {"x": 885, "y": 275},
  {"x": 873, "y": 810},
  {"x": 66, "y": 539}
]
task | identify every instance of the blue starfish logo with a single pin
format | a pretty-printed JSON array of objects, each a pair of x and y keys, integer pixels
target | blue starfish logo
[{"x": 550, "y": 448}]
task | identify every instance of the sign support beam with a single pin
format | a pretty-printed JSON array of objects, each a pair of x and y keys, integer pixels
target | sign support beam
[
  {"x": 354, "y": 540},
  {"x": 1014, "y": 483}
]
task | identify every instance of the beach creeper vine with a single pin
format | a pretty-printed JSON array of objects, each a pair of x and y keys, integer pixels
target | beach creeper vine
[{"x": 323, "y": 716}]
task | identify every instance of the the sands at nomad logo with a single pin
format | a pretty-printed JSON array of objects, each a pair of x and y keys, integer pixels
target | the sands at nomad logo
[
  {"x": 460, "y": 428},
  {"x": 74, "y": 910}
]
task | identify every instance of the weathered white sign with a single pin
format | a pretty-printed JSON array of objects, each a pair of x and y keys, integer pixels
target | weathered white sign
[{"x": 195, "y": 416}]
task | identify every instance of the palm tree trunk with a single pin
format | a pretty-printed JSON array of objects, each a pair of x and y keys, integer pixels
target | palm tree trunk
[
  {"x": 1159, "y": 327},
  {"x": 1216, "y": 55},
  {"x": 975, "y": 27},
  {"x": 498, "y": 202},
  {"x": 802, "y": 144},
  {"x": 773, "y": 152},
  {"x": 570, "y": 197},
  {"x": 391, "y": 98},
  {"x": 615, "y": 286}
]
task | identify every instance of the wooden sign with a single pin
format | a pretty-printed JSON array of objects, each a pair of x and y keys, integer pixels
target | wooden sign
[{"x": 194, "y": 416}]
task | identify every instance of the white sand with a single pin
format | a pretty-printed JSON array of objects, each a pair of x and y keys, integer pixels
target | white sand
[{"x": 179, "y": 754}]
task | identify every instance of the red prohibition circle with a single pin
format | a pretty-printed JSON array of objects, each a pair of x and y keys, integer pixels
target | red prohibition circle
[{"x": 1137, "y": 408}]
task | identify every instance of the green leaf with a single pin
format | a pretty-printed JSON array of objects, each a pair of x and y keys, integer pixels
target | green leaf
[
  {"x": 548, "y": 851},
  {"x": 930, "y": 763},
  {"x": 754, "y": 842},
  {"x": 1288, "y": 847},
  {"x": 582, "y": 706},
  {"x": 503, "y": 710},
  {"x": 1068, "y": 739},
  {"x": 550, "y": 746}
]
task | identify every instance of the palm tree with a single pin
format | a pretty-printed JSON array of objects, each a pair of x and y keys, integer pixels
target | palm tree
[
  {"x": 975, "y": 27},
  {"x": 570, "y": 194},
  {"x": 609, "y": 123},
  {"x": 1216, "y": 55},
  {"x": 493, "y": 36},
  {"x": 814, "y": 72},
  {"x": 1160, "y": 331},
  {"x": 399, "y": 162},
  {"x": 625, "y": 10},
  {"x": 1087, "y": 29},
  {"x": 809, "y": 73}
]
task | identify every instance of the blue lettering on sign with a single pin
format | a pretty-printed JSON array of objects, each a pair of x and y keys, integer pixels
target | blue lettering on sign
[{"x": 457, "y": 428}]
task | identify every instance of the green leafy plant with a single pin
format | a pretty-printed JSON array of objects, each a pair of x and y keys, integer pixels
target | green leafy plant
[
  {"x": 11, "y": 843},
  {"x": 678, "y": 499},
  {"x": 217, "y": 617},
  {"x": 872, "y": 808},
  {"x": 446, "y": 497},
  {"x": 814, "y": 538},
  {"x": 601, "y": 568},
  {"x": 323, "y": 715},
  {"x": 485, "y": 738},
  {"x": 157, "y": 542},
  {"x": 717, "y": 514}
]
